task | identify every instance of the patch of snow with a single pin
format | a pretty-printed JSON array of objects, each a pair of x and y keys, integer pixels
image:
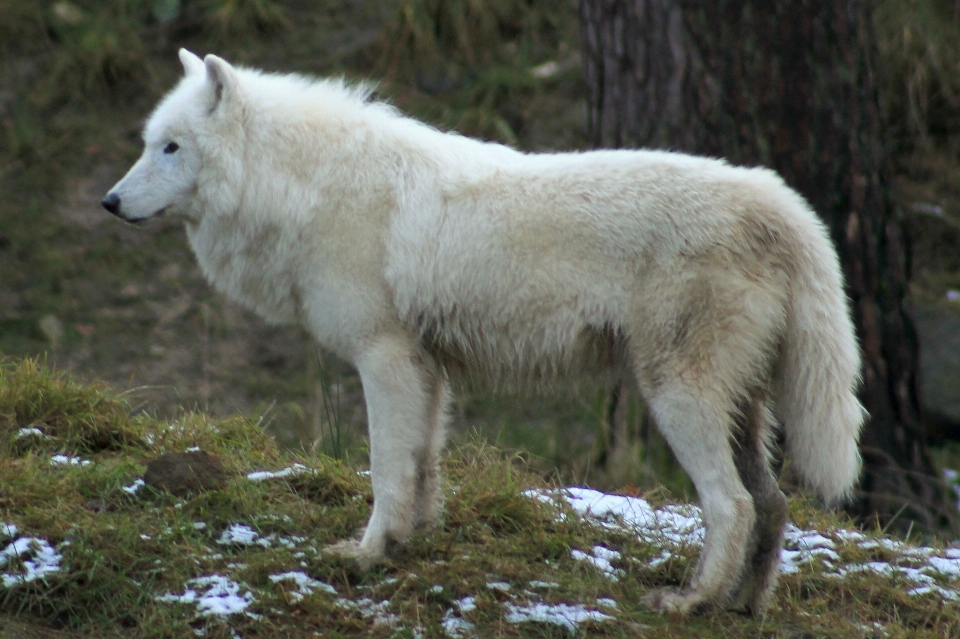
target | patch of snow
[
  {"x": 290, "y": 542},
  {"x": 134, "y": 488},
  {"x": 262, "y": 475},
  {"x": 456, "y": 627},
  {"x": 925, "y": 583},
  {"x": 674, "y": 526},
  {"x": 31, "y": 431},
  {"x": 64, "y": 460},
  {"x": 35, "y": 556},
  {"x": 875, "y": 627},
  {"x": 214, "y": 595},
  {"x": 242, "y": 535},
  {"x": 502, "y": 586},
  {"x": 944, "y": 593},
  {"x": 808, "y": 540},
  {"x": 659, "y": 559},
  {"x": 804, "y": 546},
  {"x": 369, "y": 608},
  {"x": 466, "y": 605},
  {"x": 849, "y": 536},
  {"x": 305, "y": 584},
  {"x": 544, "y": 584},
  {"x": 891, "y": 545},
  {"x": 601, "y": 557},
  {"x": 564, "y": 615}
]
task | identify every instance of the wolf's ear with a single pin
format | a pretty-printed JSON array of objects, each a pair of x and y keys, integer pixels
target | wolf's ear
[
  {"x": 191, "y": 63},
  {"x": 222, "y": 79}
]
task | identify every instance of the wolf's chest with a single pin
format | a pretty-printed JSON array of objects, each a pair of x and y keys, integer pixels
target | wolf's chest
[{"x": 255, "y": 269}]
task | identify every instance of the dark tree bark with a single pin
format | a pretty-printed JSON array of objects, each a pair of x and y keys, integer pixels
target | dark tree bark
[{"x": 787, "y": 84}]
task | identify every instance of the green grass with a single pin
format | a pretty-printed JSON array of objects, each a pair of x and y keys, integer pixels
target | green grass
[
  {"x": 472, "y": 65},
  {"x": 120, "y": 552},
  {"x": 919, "y": 55}
]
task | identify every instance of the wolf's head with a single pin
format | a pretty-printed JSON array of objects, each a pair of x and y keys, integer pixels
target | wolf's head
[{"x": 183, "y": 137}]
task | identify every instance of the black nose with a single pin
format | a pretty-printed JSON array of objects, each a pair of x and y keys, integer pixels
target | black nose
[{"x": 111, "y": 203}]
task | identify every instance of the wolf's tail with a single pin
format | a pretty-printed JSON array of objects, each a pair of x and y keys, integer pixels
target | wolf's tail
[{"x": 819, "y": 371}]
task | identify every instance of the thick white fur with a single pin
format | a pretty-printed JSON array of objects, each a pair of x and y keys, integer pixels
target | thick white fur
[{"x": 422, "y": 256}]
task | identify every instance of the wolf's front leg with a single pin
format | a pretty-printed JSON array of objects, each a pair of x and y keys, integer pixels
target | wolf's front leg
[{"x": 400, "y": 387}]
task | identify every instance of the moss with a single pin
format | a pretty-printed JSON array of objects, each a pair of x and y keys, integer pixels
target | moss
[{"x": 69, "y": 416}]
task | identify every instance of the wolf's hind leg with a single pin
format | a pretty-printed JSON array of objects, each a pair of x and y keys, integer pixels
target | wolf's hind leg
[
  {"x": 428, "y": 495},
  {"x": 401, "y": 398},
  {"x": 697, "y": 424},
  {"x": 762, "y": 567}
]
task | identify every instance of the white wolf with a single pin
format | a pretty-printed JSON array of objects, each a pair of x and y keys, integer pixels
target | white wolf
[{"x": 425, "y": 258}]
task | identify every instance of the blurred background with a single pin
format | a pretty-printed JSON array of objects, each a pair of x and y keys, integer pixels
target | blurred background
[{"x": 129, "y": 305}]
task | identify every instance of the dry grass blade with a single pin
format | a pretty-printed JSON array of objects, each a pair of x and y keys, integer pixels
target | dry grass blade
[{"x": 920, "y": 57}]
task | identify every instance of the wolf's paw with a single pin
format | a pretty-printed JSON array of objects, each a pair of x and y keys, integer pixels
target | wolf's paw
[
  {"x": 353, "y": 549},
  {"x": 670, "y": 601},
  {"x": 748, "y": 601}
]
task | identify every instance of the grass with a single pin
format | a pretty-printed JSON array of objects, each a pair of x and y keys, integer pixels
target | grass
[
  {"x": 128, "y": 559},
  {"x": 477, "y": 66},
  {"x": 919, "y": 54}
]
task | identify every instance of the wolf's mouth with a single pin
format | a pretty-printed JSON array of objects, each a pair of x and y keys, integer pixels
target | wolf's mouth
[{"x": 149, "y": 217}]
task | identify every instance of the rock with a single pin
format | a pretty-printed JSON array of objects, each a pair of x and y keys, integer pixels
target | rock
[
  {"x": 184, "y": 473},
  {"x": 938, "y": 328}
]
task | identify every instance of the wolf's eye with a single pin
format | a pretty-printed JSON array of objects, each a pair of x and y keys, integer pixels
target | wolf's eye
[{"x": 171, "y": 148}]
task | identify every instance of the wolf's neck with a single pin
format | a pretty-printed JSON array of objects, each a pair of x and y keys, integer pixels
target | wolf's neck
[{"x": 250, "y": 261}]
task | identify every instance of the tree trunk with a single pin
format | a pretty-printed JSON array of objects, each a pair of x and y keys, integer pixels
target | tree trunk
[{"x": 787, "y": 84}]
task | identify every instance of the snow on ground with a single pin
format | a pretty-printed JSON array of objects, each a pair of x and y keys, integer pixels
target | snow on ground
[
  {"x": 672, "y": 528},
  {"x": 368, "y": 608},
  {"x": 456, "y": 627},
  {"x": 31, "y": 431},
  {"x": 675, "y": 526},
  {"x": 243, "y": 535},
  {"x": 64, "y": 460},
  {"x": 134, "y": 488},
  {"x": 25, "y": 558},
  {"x": 563, "y": 615},
  {"x": 263, "y": 475},
  {"x": 601, "y": 557},
  {"x": 305, "y": 584},
  {"x": 214, "y": 595}
]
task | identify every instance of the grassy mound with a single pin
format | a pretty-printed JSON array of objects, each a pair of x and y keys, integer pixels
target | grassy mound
[{"x": 87, "y": 548}]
